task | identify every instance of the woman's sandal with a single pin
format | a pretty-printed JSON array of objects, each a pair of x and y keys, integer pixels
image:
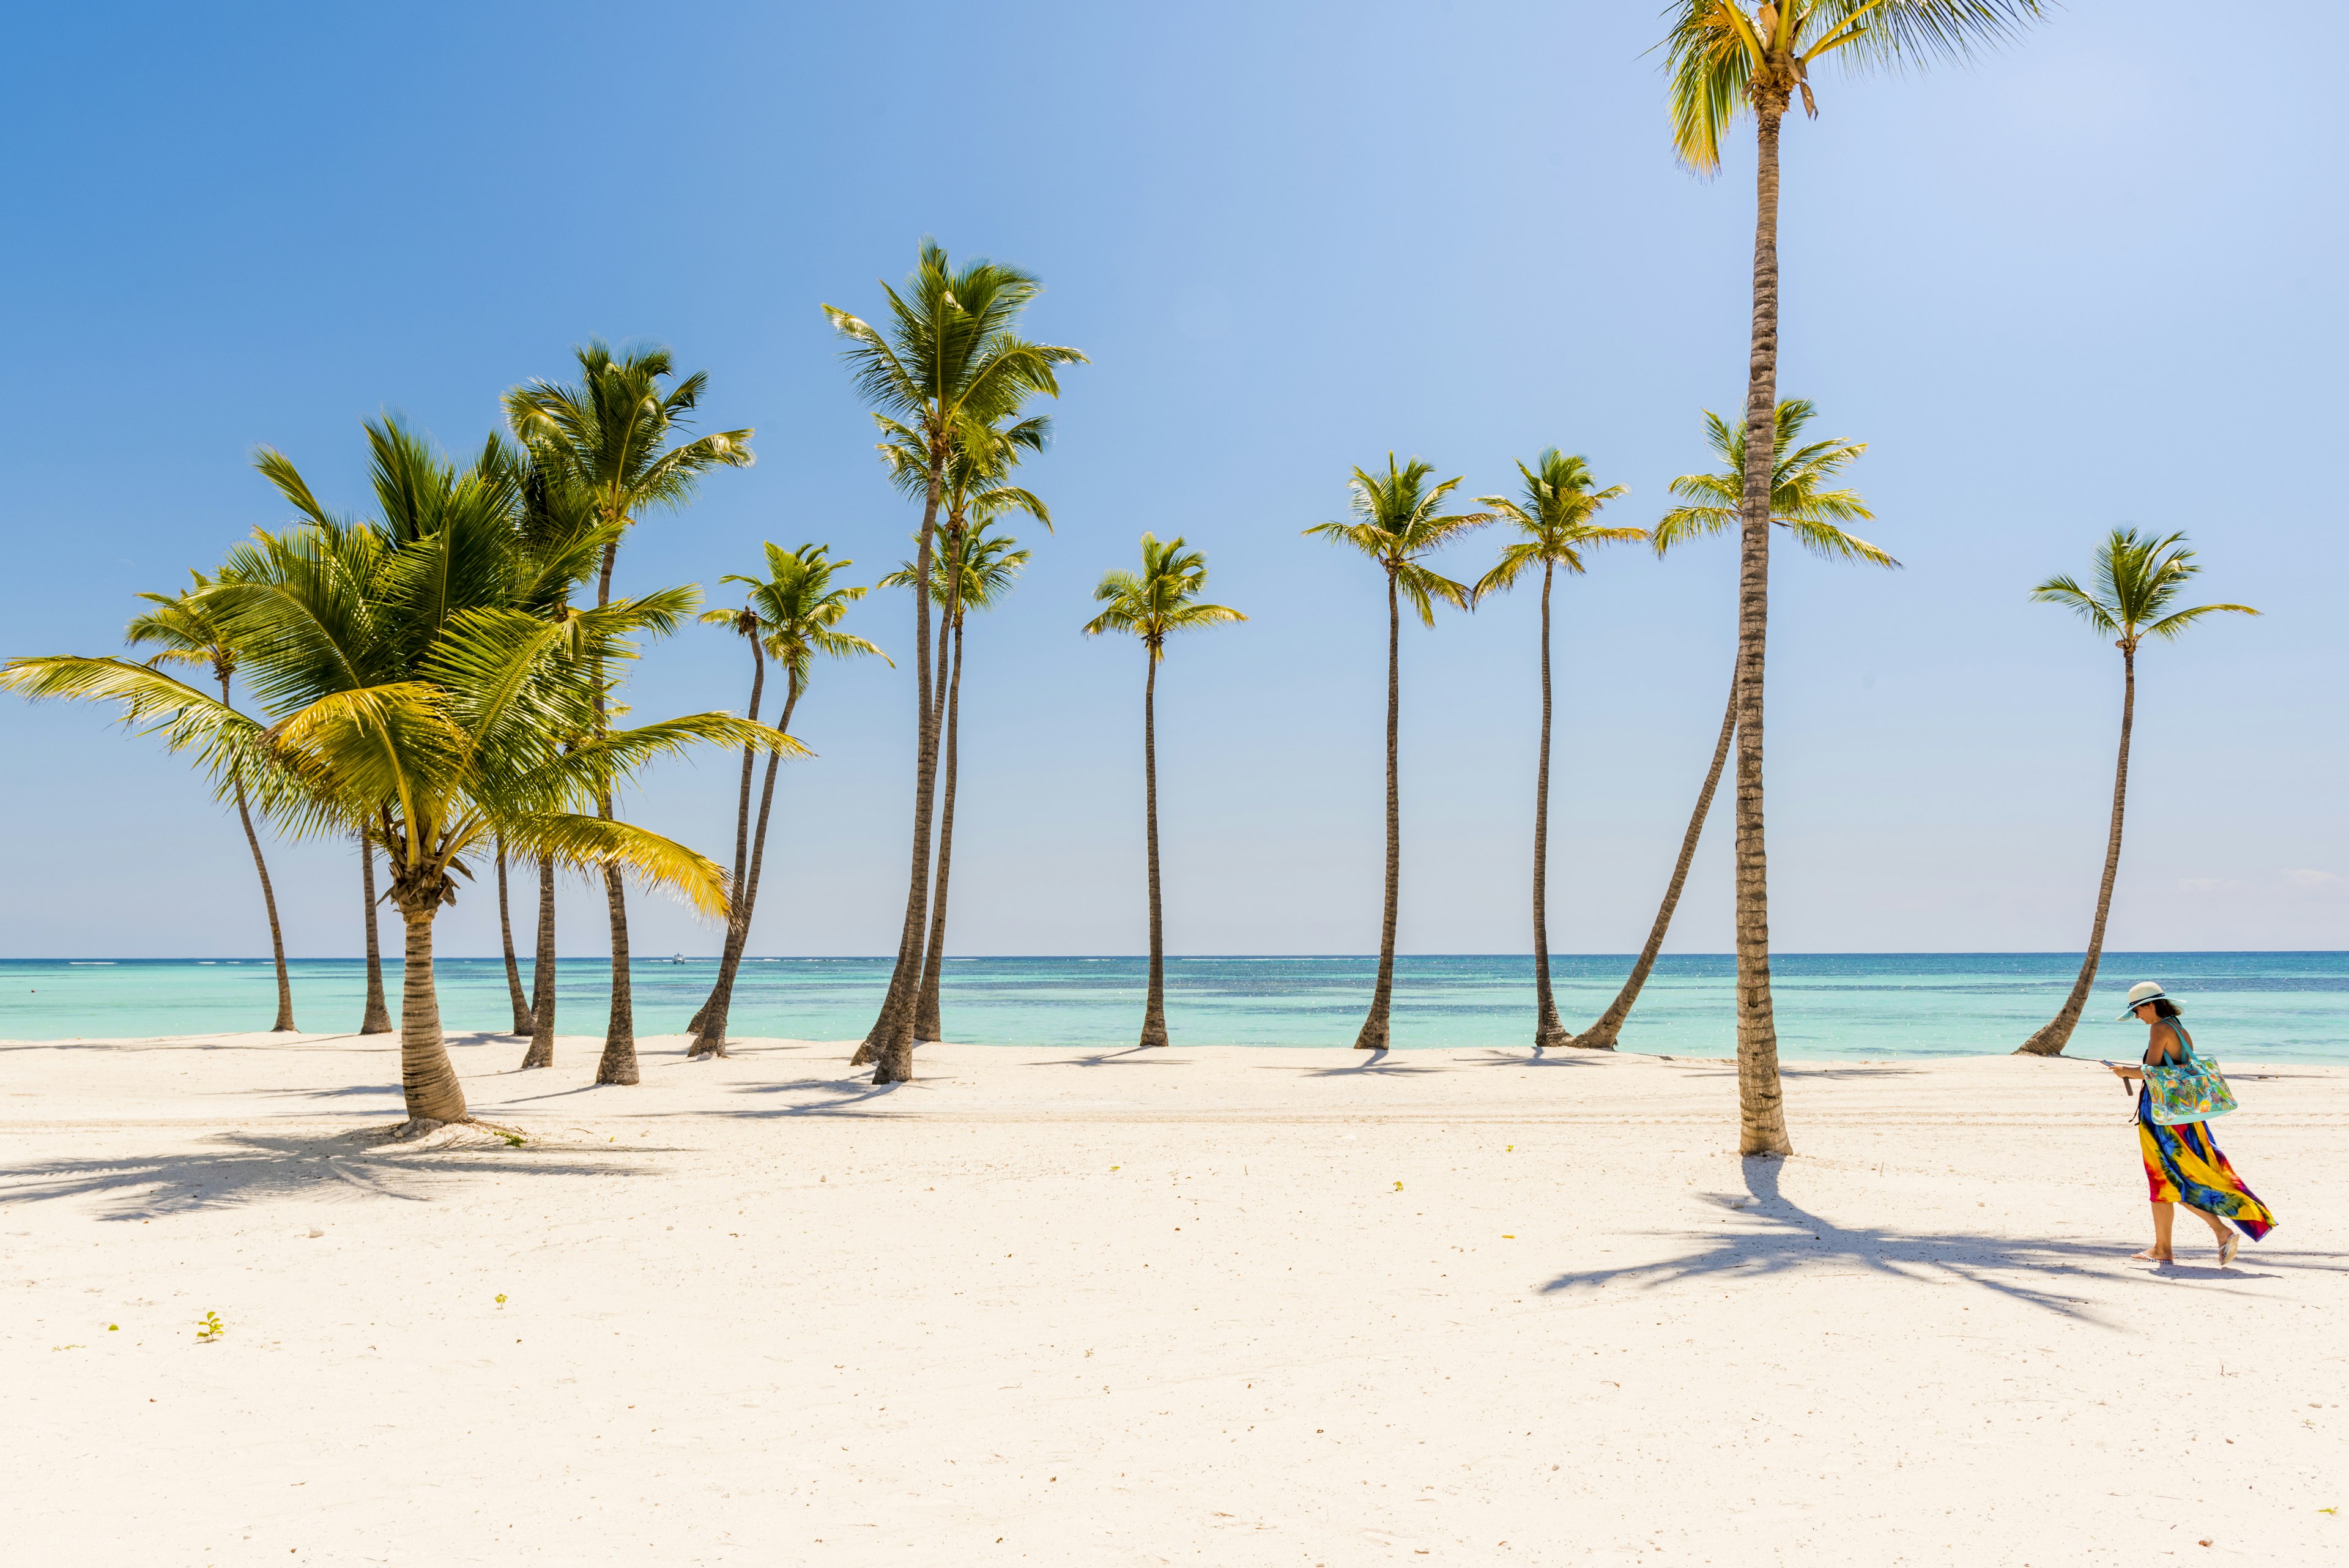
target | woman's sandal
[{"x": 2227, "y": 1250}]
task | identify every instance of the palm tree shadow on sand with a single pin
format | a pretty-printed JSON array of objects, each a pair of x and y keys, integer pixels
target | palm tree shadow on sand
[
  {"x": 242, "y": 1168},
  {"x": 1793, "y": 1238}
]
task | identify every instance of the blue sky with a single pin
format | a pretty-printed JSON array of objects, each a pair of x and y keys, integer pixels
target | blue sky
[{"x": 2090, "y": 280}]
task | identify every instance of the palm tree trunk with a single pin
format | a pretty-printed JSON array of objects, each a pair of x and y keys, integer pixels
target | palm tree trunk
[
  {"x": 1600, "y": 1036},
  {"x": 1373, "y": 1036},
  {"x": 1154, "y": 1008},
  {"x": 618, "y": 1063},
  {"x": 521, "y": 1019},
  {"x": 721, "y": 1001},
  {"x": 1547, "y": 1029},
  {"x": 1762, "y": 1115},
  {"x": 377, "y": 1019},
  {"x": 542, "y": 974},
  {"x": 926, "y": 1010},
  {"x": 703, "y": 1045},
  {"x": 2051, "y": 1040},
  {"x": 285, "y": 1023},
  {"x": 890, "y": 1045},
  {"x": 427, "y": 1077}
]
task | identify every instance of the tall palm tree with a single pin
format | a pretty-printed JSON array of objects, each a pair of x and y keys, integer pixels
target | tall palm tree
[
  {"x": 2136, "y": 584},
  {"x": 1813, "y": 515},
  {"x": 375, "y": 1018},
  {"x": 523, "y": 1023},
  {"x": 1555, "y": 525},
  {"x": 974, "y": 570},
  {"x": 1398, "y": 521},
  {"x": 613, "y": 441},
  {"x": 1152, "y": 603},
  {"x": 1724, "y": 63},
  {"x": 190, "y": 634},
  {"x": 790, "y": 615},
  {"x": 948, "y": 351}
]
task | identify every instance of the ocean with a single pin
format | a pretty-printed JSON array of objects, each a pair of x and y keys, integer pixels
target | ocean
[{"x": 2266, "y": 1006}]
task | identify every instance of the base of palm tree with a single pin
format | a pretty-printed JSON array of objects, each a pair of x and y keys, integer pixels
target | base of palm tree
[
  {"x": 2046, "y": 1043},
  {"x": 415, "y": 1128}
]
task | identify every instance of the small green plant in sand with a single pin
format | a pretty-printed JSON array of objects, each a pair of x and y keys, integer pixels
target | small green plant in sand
[
  {"x": 502, "y": 1298},
  {"x": 211, "y": 1328}
]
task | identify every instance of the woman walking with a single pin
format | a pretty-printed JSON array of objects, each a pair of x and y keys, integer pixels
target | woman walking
[{"x": 2183, "y": 1163}]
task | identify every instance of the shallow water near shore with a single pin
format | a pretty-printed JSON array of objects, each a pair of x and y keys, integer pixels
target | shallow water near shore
[{"x": 2269, "y": 1006}]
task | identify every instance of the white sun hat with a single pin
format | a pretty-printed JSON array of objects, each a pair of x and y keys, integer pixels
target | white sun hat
[{"x": 2140, "y": 993}]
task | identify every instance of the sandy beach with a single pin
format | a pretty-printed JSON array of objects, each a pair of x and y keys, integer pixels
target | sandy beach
[{"x": 1217, "y": 1305}]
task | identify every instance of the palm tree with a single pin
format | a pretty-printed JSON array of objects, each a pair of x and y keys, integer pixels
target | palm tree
[
  {"x": 190, "y": 634},
  {"x": 438, "y": 764},
  {"x": 2137, "y": 580},
  {"x": 1724, "y": 63},
  {"x": 791, "y": 614},
  {"x": 948, "y": 351},
  {"x": 522, "y": 1022},
  {"x": 1398, "y": 519},
  {"x": 612, "y": 441},
  {"x": 1813, "y": 515},
  {"x": 975, "y": 569},
  {"x": 1150, "y": 604},
  {"x": 1554, "y": 526},
  {"x": 375, "y": 1018}
]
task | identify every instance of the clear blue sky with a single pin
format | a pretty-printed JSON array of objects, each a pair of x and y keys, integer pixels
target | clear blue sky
[{"x": 2092, "y": 280}]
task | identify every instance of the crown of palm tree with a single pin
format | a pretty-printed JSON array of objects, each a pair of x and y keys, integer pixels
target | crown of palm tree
[
  {"x": 2138, "y": 579},
  {"x": 1799, "y": 499},
  {"x": 795, "y": 610},
  {"x": 1159, "y": 598},
  {"x": 948, "y": 351},
  {"x": 974, "y": 570},
  {"x": 975, "y": 481},
  {"x": 1398, "y": 519},
  {"x": 186, "y": 628},
  {"x": 1719, "y": 58},
  {"x": 1555, "y": 519},
  {"x": 611, "y": 435}
]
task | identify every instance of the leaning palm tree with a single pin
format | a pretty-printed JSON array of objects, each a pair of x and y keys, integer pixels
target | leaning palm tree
[
  {"x": 1802, "y": 503},
  {"x": 1398, "y": 520},
  {"x": 948, "y": 351},
  {"x": 974, "y": 570},
  {"x": 790, "y": 615},
  {"x": 190, "y": 634},
  {"x": 2138, "y": 579},
  {"x": 1554, "y": 526},
  {"x": 1722, "y": 63},
  {"x": 1152, "y": 603},
  {"x": 375, "y": 1017},
  {"x": 612, "y": 440}
]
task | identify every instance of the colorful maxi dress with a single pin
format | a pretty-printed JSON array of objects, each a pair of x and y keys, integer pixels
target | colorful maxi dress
[{"x": 2183, "y": 1164}]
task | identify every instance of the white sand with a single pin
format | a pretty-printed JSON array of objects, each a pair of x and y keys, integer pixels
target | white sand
[{"x": 1106, "y": 1309}]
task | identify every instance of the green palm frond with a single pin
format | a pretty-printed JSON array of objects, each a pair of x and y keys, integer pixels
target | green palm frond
[
  {"x": 1397, "y": 518},
  {"x": 1159, "y": 599},
  {"x": 1554, "y": 520},
  {"x": 2138, "y": 577},
  {"x": 1716, "y": 58},
  {"x": 1799, "y": 501}
]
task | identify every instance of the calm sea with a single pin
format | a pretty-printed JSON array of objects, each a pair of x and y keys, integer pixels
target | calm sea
[{"x": 2270, "y": 1006}]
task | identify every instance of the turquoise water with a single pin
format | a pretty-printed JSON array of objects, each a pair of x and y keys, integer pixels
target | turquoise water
[{"x": 2270, "y": 1006}]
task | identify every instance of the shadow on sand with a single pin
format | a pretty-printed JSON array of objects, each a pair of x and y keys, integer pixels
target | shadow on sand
[
  {"x": 1792, "y": 1238},
  {"x": 242, "y": 1168}
]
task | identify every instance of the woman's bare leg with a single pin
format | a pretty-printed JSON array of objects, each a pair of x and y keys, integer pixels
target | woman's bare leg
[{"x": 2164, "y": 1216}]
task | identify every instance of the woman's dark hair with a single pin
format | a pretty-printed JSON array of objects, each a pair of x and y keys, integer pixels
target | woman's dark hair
[{"x": 2164, "y": 1008}]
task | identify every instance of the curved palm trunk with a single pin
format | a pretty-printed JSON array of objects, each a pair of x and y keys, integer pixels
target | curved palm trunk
[
  {"x": 1762, "y": 1117},
  {"x": 285, "y": 1023},
  {"x": 1154, "y": 1008},
  {"x": 1373, "y": 1036},
  {"x": 925, "y": 1011},
  {"x": 522, "y": 1019},
  {"x": 542, "y": 974},
  {"x": 736, "y": 920},
  {"x": 1600, "y": 1036},
  {"x": 890, "y": 1045},
  {"x": 1547, "y": 1029},
  {"x": 2051, "y": 1040},
  {"x": 712, "y": 1035},
  {"x": 377, "y": 1019},
  {"x": 618, "y": 1063},
  {"x": 427, "y": 1079}
]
